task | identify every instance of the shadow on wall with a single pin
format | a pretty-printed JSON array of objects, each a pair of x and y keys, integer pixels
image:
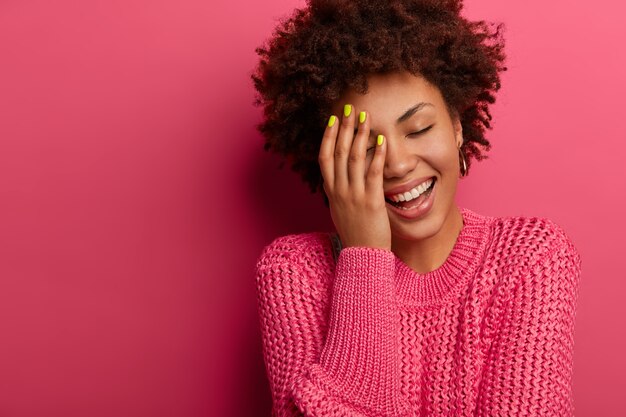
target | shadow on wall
[
  {"x": 283, "y": 202},
  {"x": 258, "y": 400}
]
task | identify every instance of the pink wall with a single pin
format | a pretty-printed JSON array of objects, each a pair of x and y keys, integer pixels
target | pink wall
[{"x": 130, "y": 171}]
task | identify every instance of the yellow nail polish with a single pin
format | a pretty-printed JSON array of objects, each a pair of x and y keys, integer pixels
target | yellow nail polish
[
  {"x": 380, "y": 139},
  {"x": 362, "y": 117},
  {"x": 347, "y": 110},
  {"x": 331, "y": 121}
]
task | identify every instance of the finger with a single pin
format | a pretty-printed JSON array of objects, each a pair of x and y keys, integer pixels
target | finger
[
  {"x": 374, "y": 180},
  {"x": 342, "y": 147},
  {"x": 327, "y": 150},
  {"x": 356, "y": 160}
]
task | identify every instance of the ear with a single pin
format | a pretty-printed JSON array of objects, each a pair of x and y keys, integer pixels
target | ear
[{"x": 458, "y": 130}]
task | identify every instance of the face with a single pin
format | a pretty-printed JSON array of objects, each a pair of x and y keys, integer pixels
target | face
[{"x": 393, "y": 104}]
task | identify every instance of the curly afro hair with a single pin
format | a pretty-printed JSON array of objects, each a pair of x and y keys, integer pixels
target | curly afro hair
[{"x": 330, "y": 46}]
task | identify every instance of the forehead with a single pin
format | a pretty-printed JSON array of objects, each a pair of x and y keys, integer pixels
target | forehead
[{"x": 393, "y": 93}]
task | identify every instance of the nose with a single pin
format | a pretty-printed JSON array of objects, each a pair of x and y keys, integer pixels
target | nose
[{"x": 398, "y": 161}]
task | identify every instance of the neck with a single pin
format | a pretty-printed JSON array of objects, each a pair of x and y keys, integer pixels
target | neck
[{"x": 426, "y": 255}]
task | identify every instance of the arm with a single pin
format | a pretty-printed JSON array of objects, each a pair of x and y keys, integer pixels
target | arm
[
  {"x": 528, "y": 370},
  {"x": 354, "y": 370}
]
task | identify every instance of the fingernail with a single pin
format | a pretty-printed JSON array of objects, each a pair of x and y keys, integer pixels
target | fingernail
[
  {"x": 347, "y": 110},
  {"x": 362, "y": 117},
  {"x": 331, "y": 121},
  {"x": 380, "y": 140}
]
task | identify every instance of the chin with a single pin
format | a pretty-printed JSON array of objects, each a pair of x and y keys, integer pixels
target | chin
[{"x": 418, "y": 230}]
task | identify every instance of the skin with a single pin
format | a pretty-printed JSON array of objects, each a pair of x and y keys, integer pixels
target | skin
[{"x": 357, "y": 172}]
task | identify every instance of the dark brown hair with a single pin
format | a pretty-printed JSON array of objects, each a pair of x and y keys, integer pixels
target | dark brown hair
[{"x": 330, "y": 46}]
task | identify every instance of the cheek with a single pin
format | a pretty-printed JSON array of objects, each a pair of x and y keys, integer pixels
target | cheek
[
  {"x": 447, "y": 149},
  {"x": 441, "y": 154}
]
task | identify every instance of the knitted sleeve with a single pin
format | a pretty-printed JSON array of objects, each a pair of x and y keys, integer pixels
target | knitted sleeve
[
  {"x": 528, "y": 371},
  {"x": 356, "y": 372}
]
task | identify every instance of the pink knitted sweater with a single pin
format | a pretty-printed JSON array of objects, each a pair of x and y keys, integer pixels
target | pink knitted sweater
[{"x": 489, "y": 333}]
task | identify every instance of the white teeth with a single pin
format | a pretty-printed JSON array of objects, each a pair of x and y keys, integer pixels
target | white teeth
[{"x": 412, "y": 194}]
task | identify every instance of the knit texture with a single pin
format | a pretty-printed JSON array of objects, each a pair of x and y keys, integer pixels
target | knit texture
[{"x": 489, "y": 333}]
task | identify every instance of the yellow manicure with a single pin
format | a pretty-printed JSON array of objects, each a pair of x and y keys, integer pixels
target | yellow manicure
[
  {"x": 347, "y": 110},
  {"x": 331, "y": 121},
  {"x": 380, "y": 139},
  {"x": 362, "y": 117}
]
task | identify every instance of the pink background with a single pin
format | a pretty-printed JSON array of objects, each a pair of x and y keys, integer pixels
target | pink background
[{"x": 135, "y": 196}]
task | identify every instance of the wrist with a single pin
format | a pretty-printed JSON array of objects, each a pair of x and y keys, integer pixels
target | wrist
[{"x": 367, "y": 244}]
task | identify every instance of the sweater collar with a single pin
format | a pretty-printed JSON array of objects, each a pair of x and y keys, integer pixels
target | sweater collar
[{"x": 435, "y": 287}]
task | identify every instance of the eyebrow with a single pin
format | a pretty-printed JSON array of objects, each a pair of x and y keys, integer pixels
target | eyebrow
[{"x": 410, "y": 112}]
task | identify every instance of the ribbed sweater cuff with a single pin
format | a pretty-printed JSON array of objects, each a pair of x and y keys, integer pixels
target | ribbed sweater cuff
[{"x": 359, "y": 362}]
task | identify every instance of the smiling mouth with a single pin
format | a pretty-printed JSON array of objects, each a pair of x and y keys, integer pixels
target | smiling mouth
[{"x": 414, "y": 202}]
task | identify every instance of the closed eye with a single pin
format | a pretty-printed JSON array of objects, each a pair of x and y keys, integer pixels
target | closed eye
[
  {"x": 421, "y": 131},
  {"x": 410, "y": 134}
]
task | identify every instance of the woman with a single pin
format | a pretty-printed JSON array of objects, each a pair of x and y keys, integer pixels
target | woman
[{"x": 415, "y": 306}]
